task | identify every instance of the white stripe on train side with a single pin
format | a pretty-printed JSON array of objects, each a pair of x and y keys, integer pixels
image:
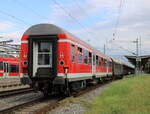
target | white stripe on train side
[
  {"x": 25, "y": 41},
  {"x": 80, "y": 75},
  {"x": 77, "y": 75},
  {"x": 74, "y": 43}
]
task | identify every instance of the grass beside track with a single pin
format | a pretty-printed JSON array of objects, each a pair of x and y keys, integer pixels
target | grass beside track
[{"x": 127, "y": 96}]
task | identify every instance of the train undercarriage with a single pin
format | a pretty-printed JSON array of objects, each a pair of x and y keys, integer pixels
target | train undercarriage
[{"x": 49, "y": 87}]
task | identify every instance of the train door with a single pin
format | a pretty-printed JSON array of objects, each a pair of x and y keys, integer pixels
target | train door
[
  {"x": 93, "y": 63},
  {"x": 42, "y": 57},
  {"x": 6, "y": 70}
]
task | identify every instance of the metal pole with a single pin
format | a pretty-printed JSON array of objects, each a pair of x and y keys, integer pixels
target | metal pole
[
  {"x": 104, "y": 49},
  {"x": 140, "y": 45},
  {"x": 137, "y": 66}
]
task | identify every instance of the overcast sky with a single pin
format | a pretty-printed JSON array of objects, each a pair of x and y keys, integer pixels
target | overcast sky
[{"x": 93, "y": 21}]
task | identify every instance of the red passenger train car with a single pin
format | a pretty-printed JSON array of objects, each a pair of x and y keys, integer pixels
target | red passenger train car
[
  {"x": 9, "y": 66},
  {"x": 53, "y": 59}
]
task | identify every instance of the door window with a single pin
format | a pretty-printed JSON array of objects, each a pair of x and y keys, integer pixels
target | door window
[
  {"x": 44, "y": 47},
  {"x": 44, "y": 53}
]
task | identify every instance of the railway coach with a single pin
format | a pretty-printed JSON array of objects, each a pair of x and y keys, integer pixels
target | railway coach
[
  {"x": 9, "y": 66},
  {"x": 53, "y": 59}
]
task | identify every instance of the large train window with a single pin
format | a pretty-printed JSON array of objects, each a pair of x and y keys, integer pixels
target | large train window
[
  {"x": 110, "y": 64},
  {"x": 85, "y": 56},
  {"x": 100, "y": 61},
  {"x": 72, "y": 53},
  {"x": 106, "y": 63},
  {"x": 1, "y": 65},
  {"x": 93, "y": 59},
  {"x": 44, "y": 53},
  {"x": 97, "y": 60},
  {"x": 79, "y": 55},
  {"x": 90, "y": 58}
]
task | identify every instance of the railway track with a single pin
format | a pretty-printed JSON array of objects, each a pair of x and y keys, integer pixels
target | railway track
[
  {"x": 43, "y": 105},
  {"x": 49, "y": 107},
  {"x": 10, "y": 93},
  {"x": 18, "y": 106},
  {"x": 37, "y": 105}
]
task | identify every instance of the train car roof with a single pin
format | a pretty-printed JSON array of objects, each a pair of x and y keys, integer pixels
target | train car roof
[
  {"x": 129, "y": 65},
  {"x": 42, "y": 29},
  {"x": 124, "y": 61},
  {"x": 117, "y": 61}
]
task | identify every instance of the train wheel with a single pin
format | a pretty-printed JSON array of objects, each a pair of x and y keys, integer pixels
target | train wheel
[
  {"x": 83, "y": 84},
  {"x": 67, "y": 88},
  {"x": 68, "y": 93},
  {"x": 45, "y": 92}
]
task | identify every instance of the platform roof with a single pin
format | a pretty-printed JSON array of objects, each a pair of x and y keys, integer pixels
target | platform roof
[{"x": 144, "y": 59}]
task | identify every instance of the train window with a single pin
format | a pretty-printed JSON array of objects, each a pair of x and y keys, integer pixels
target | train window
[
  {"x": 110, "y": 64},
  {"x": 106, "y": 63},
  {"x": 17, "y": 68},
  {"x": 72, "y": 53},
  {"x": 5, "y": 67},
  {"x": 97, "y": 60},
  {"x": 44, "y": 47},
  {"x": 44, "y": 53},
  {"x": 85, "y": 56},
  {"x": 1, "y": 65},
  {"x": 13, "y": 68},
  {"x": 79, "y": 55},
  {"x": 90, "y": 58},
  {"x": 44, "y": 59},
  {"x": 100, "y": 61},
  {"x": 93, "y": 59}
]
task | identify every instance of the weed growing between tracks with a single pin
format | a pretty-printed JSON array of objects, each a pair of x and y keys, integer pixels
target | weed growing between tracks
[{"x": 127, "y": 96}]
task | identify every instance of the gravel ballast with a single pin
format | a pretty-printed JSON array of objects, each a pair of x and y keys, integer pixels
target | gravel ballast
[{"x": 78, "y": 105}]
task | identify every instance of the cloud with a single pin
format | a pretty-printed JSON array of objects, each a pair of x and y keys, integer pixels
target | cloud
[
  {"x": 15, "y": 36},
  {"x": 63, "y": 12},
  {"x": 5, "y": 25},
  {"x": 98, "y": 19}
]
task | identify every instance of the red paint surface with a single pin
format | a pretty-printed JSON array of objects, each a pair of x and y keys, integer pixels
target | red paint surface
[
  {"x": 64, "y": 55},
  {"x": 10, "y": 61}
]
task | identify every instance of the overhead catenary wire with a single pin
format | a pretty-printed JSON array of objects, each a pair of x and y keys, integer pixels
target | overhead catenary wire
[
  {"x": 127, "y": 50},
  {"x": 30, "y": 9},
  {"x": 118, "y": 19},
  {"x": 84, "y": 11},
  {"x": 71, "y": 16},
  {"x": 14, "y": 17},
  {"x": 117, "y": 22},
  {"x": 79, "y": 6}
]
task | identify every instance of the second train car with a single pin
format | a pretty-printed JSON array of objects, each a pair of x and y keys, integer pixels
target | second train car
[{"x": 9, "y": 66}]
